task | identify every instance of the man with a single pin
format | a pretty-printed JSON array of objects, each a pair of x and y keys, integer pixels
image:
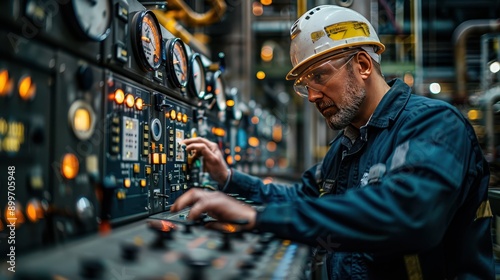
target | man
[{"x": 402, "y": 191}]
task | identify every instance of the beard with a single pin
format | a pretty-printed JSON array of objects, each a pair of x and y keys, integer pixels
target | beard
[{"x": 353, "y": 97}]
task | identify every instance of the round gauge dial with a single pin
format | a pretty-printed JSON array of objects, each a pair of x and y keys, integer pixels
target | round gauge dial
[
  {"x": 177, "y": 62},
  {"x": 219, "y": 91},
  {"x": 92, "y": 18},
  {"x": 147, "y": 40},
  {"x": 197, "y": 77}
]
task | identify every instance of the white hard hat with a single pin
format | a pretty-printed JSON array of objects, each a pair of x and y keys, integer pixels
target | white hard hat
[{"x": 328, "y": 30}]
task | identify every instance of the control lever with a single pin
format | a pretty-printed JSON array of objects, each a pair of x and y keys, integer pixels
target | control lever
[
  {"x": 161, "y": 102},
  {"x": 157, "y": 194},
  {"x": 163, "y": 229}
]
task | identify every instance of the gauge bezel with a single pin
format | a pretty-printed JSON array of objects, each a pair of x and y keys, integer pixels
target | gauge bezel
[
  {"x": 80, "y": 104},
  {"x": 136, "y": 26},
  {"x": 170, "y": 65},
  {"x": 221, "y": 98},
  {"x": 80, "y": 31},
  {"x": 193, "y": 91}
]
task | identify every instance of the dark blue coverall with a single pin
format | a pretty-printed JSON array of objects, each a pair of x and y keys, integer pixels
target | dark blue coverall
[{"x": 403, "y": 197}]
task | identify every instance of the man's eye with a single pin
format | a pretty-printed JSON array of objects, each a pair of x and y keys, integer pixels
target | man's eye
[{"x": 318, "y": 77}]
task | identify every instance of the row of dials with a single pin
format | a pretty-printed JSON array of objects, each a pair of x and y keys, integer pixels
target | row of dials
[{"x": 93, "y": 20}]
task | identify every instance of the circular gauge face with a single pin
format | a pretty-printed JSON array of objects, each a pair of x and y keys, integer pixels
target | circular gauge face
[
  {"x": 177, "y": 62},
  {"x": 197, "y": 77},
  {"x": 219, "y": 91},
  {"x": 148, "y": 41},
  {"x": 92, "y": 18}
]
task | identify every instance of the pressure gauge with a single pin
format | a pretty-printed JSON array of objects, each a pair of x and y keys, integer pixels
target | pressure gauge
[
  {"x": 147, "y": 40},
  {"x": 91, "y": 18},
  {"x": 197, "y": 82},
  {"x": 177, "y": 62},
  {"x": 219, "y": 91}
]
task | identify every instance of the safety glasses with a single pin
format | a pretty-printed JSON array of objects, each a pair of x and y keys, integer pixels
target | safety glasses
[{"x": 316, "y": 76}]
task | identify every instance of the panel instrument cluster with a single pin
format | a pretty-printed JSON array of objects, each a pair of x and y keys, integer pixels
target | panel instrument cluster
[{"x": 96, "y": 98}]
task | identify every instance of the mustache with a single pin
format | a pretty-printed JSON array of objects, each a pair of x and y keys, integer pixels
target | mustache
[{"x": 320, "y": 105}]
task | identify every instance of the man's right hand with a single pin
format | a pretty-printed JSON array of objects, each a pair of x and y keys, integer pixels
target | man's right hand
[{"x": 213, "y": 159}]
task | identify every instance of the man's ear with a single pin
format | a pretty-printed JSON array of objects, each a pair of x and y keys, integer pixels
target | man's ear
[{"x": 365, "y": 64}]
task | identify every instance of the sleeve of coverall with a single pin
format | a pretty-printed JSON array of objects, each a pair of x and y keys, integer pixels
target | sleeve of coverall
[
  {"x": 254, "y": 189},
  {"x": 410, "y": 207}
]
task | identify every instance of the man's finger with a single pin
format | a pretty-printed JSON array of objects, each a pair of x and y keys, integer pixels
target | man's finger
[{"x": 185, "y": 200}]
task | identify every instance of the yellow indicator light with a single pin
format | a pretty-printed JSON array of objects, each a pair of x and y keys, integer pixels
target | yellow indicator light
[
  {"x": 266, "y": 2},
  {"x": 260, "y": 75},
  {"x": 277, "y": 133},
  {"x": 13, "y": 214},
  {"x": 253, "y": 141},
  {"x": 70, "y": 166},
  {"x": 163, "y": 158},
  {"x": 126, "y": 183},
  {"x": 185, "y": 118},
  {"x": 27, "y": 89},
  {"x": 3, "y": 126},
  {"x": 217, "y": 131},
  {"x": 82, "y": 120},
  {"x": 34, "y": 210},
  {"x": 167, "y": 115},
  {"x": 227, "y": 151},
  {"x": 194, "y": 134},
  {"x": 119, "y": 96},
  {"x": 143, "y": 183},
  {"x": 229, "y": 160},
  {"x": 139, "y": 104},
  {"x": 230, "y": 103},
  {"x": 156, "y": 158},
  {"x": 120, "y": 194},
  {"x": 129, "y": 100},
  {"x": 137, "y": 168},
  {"x": 179, "y": 116},
  {"x": 269, "y": 163},
  {"x": 237, "y": 149},
  {"x": 237, "y": 157},
  {"x": 255, "y": 120},
  {"x": 5, "y": 83},
  {"x": 271, "y": 146},
  {"x": 148, "y": 170},
  {"x": 173, "y": 115},
  {"x": 474, "y": 115}
]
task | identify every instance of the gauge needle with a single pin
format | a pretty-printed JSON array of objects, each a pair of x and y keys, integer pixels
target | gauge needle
[{"x": 146, "y": 39}]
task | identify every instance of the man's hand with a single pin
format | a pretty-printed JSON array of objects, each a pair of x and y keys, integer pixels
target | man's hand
[
  {"x": 217, "y": 205},
  {"x": 213, "y": 159}
]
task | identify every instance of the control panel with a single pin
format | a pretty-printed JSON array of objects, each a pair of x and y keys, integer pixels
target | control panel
[
  {"x": 96, "y": 98},
  {"x": 167, "y": 246}
]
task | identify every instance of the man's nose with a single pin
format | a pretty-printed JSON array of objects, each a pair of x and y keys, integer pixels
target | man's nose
[{"x": 313, "y": 95}]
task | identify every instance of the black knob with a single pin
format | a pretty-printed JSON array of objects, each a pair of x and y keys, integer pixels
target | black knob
[
  {"x": 198, "y": 259},
  {"x": 187, "y": 226},
  {"x": 164, "y": 230},
  {"x": 85, "y": 77},
  {"x": 130, "y": 251},
  {"x": 91, "y": 268}
]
